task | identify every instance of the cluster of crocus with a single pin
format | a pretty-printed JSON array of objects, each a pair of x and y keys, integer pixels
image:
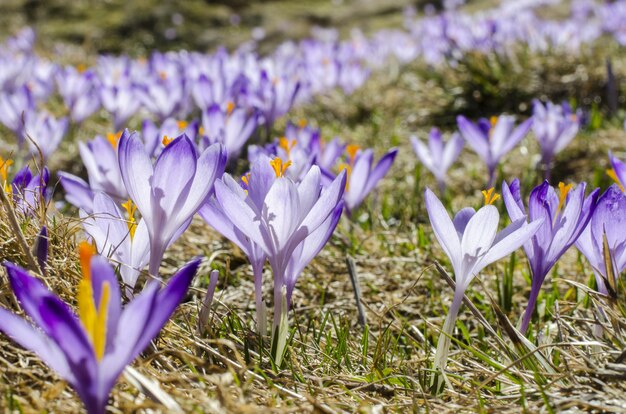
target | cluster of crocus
[
  {"x": 303, "y": 147},
  {"x": 471, "y": 241},
  {"x": 271, "y": 217},
  {"x": 90, "y": 348},
  {"x": 174, "y": 85}
]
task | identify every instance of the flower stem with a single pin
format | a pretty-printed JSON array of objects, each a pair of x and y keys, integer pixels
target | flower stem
[{"x": 443, "y": 344}]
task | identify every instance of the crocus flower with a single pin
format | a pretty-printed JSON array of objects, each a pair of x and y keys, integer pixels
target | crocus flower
[
  {"x": 170, "y": 192},
  {"x": 154, "y": 137},
  {"x": 90, "y": 349},
  {"x": 471, "y": 241},
  {"x": 555, "y": 126},
  {"x": 231, "y": 128},
  {"x": 362, "y": 176},
  {"x": 43, "y": 132},
  {"x": 119, "y": 236},
  {"x": 493, "y": 139},
  {"x": 122, "y": 100},
  {"x": 565, "y": 215},
  {"x": 608, "y": 222},
  {"x": 100, "y": 159},
  {"x": 30, "y": 191},
  {"x": 279, "y": 215},
  {"x": 79, "y": 90},
  {"x": 13, "y": 106},
  {"x": 438, "y": 157}
]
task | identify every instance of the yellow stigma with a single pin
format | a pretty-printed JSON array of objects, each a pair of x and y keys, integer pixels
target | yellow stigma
[
  {"x": 490, "y": 196},
  {"x": 230, "y": 107},
  {"x": 4, "y": 173},
  {"x": 348, "y": 169},
  {"x": 201, "y": 130},
  {"x": 130, "y": 211},
  {"x": 563, "y": 190},
  {"x": 279, "y": 167},
  {"x": 493, "y": 121},
  {"x": 93, "y": 319},
  {"x": 611, "y": 173},
  {"x": 246, "y": 179},
  {"x": 302, "y": 123},
  {"x": 81, "y": 67},
  {"x": 287, "y": 145},
  {"x": 351, "y": 150},
  {"x": 182, "y": 124},
  {"x": 163, "y": 75},
  {"x": 114, "y": 139},
  {"x": 166, "y": 140}
]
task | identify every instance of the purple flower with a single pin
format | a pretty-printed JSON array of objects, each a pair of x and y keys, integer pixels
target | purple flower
[
  {"x": 608, "y": 221},
  {"x": 101, "y": 162},
  {"x": 43, "y": 132},
  {"x": 362, "y": 176},
  {"x": 12, "y": 106},
  {"x": 90, "y": 350},
  {"x": 122, "y": 100},
  {"x": 471, "y": 241},
  {"x": 493, "y": 139},
  {"x": 119, "y": 237},
  {"x": 555, "y": 126},
  {"x": 171, "y": 191},
  {"x": 29, "y": 192},
  {"x": 565, "y": 215},
  {"x": 231, "y": 128},
  {"x": 79, "y": 90},
  {"x": 275, "y": 96},
  {"x": 290, "y": 222},
  {"x": 438, "y": 157},
  {"x": 154, "y": 136}
]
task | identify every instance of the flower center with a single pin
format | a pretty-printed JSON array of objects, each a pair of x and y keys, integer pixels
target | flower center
[
  {"x": 279, "y": 167},
  {"x": 182, "y": 125},
  {"x": 287, "y": 145},
  {"x": 114, "y": 139},
  {"x": 230, "y": 107},
  {"x": 563, "y": 191},
  {"x": 130, "y": 208},
  {"x": 166, "y": 140},
  {"x": 490, "y": 196},
  {"x": 93, "y": 319},
  {"x": 4, "y": 173}
]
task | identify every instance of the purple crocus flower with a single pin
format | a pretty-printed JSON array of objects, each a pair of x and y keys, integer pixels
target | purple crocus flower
[
  {"x": 122, "y": 100},
  {"x": 608, "y": 221},
  {"x": 555, "y": 126},
  {"x": 30, "y": 191},
  {"x": 100, "y": 159},
  {"x": 79, "y": 90},
  {"x": 231, "y": 128},
  {"x": 275, "y": 96},
  {"x": 43, "y": 132},
  {"x": 90, "y": 350},
  {"x": 154, "y": 136},
  {"x": 471, "y": 241},
  {"x": 438, "y": 157},
  {"x": 362, "y": 177},
  {"x": 565, "y": 215},
  {"x": 493, "y": 139},
  {"x": 171, "y": 191},
  {"x": 290, "y": 222},
  {"x": 119, "y": 237},
  {"x": 13, "y": 106}
]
